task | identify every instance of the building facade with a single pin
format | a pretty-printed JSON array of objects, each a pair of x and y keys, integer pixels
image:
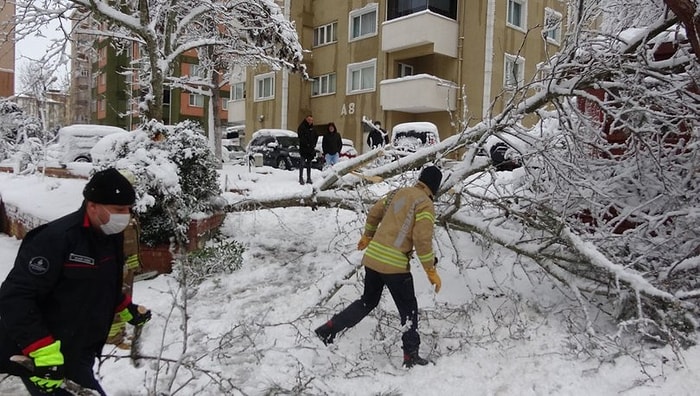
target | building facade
[
  {"x": 105, "y": 88},
  {"x": 401, "y": 61},
  {"x": 7, "y": 49},
  {"x": 51, "y": 109}
]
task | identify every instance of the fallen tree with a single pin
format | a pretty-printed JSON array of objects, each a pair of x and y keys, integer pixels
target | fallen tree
[{"x": 606, "y": 200}]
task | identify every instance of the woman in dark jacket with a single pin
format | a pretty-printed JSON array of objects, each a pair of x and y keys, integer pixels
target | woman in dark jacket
[{"x": 332, "y": 144}]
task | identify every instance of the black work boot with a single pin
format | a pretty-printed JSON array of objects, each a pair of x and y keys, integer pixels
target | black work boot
[
  {"x": 411, "y": 359},
  {"x": 326, "y": 333}
]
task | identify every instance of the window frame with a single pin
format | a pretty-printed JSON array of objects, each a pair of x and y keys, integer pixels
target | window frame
[
  {"x": 403, "y": 67},
  {"x": 321, "y": 33},
  {"x": 317, "y": 84},
  {"x": 557, "y": 29},
  {"x": 359, "y": 13},
  {"x": 360, "y": 66},
  {"x": 509, "y": 59},
  {"x": 192, "y": 100},
  {"x": 523, "y": 15},
  {"x": 260, "y": 78},
  {"x": 236, "y": 88}
]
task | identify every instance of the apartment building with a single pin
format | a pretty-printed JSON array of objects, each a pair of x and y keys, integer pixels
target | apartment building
[
  {"x": 105, "y": 88},
  {"x": 398, "y": 61},
  {"x": 7, "y": 50}
]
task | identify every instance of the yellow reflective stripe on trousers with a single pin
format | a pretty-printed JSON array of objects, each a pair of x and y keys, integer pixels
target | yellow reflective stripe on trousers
[
  {"x": 387, "y": 255},
  {"x": 425, "y": 216},
  {"x": 370, "y": 227}
]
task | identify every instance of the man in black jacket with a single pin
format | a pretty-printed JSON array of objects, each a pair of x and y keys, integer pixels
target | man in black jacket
[
  {"x": 307, "y": 147},
  {"x": 58, "y": 301}
]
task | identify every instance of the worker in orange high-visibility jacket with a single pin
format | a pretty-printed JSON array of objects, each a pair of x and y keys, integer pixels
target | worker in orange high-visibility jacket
[{"x": 397, "y": 224}]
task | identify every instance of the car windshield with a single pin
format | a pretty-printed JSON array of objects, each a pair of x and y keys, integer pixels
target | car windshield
[
  {"x": 288, "y": 141},
  {"x": 422, "y": 136}
]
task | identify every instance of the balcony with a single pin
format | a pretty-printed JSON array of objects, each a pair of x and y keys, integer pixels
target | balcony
[
  {"x": 421, "y": 93},
  {"x": 421, "y": 29},
  {"x": 236, "y": 111}
]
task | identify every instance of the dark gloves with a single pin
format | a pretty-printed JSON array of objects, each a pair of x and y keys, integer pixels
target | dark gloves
[
  {"x": 136, "y": 315},
  {"x": 48, "y": 367}
]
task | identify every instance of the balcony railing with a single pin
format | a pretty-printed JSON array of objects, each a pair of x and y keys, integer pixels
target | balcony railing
[
  {"x": 421, "y": 93},
  {"x": 419, "y": 29}
]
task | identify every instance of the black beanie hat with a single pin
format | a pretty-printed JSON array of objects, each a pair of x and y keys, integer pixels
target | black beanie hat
[
  {"x": 109, "y": 187},
  {"x": 431, "y": 177}
]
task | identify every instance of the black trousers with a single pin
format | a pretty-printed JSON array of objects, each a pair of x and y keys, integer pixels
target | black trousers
[
  {"x": 79, "y": 371},
  {"x": 401, "y": 288},
  {"x": 305, "y": 163}
]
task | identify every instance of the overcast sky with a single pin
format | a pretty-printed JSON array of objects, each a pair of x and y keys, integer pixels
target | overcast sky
[{"x": 33, "y": 47}]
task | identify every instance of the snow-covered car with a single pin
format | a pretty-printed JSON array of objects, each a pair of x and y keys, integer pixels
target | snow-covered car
[
  {"x": 233, "y": 153},
  {"x": 346, "y": 152},
  {"x": 75, "y": 142},
  {"x": 409, "y": 137},
  {"x": 279, "y": 149}
]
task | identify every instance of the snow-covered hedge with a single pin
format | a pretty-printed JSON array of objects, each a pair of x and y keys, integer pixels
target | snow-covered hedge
[{"x": 175, "y": 176}]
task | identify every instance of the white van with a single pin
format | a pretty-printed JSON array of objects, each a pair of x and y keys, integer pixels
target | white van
[{"x": 74, "y": 142}]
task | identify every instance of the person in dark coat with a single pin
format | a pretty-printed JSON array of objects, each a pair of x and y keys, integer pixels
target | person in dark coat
[
  {"x": 502, "y": 157},
  {"x": 331, "y": 145},
  {"x": 58, "y": 301},
  {"x": 307, "y": 147},
  {"x": 377, "y": 136},
  {"x": 397, "y": 226}
]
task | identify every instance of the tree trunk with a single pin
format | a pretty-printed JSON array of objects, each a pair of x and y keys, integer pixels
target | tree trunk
[{"x": 686, "y": 12}]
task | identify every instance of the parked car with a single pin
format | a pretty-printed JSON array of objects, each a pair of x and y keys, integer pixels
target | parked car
[
  {"x": 279, "y": 149},
  {"x": 74, "y": 142},
  {"x": 346, "y": 152},
  {"x": 410, "y": 137},
  {"x": 233, "y": 153}
]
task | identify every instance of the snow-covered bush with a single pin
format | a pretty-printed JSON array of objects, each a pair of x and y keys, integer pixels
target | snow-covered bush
[
  {"x": 222, "y": 257},
  {"x": 175, "y": 177},
  {"x": 21, "y": 134}
]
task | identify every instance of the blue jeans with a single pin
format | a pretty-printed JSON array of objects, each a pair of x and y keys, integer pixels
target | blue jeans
[{"x": 332, "y": 159}]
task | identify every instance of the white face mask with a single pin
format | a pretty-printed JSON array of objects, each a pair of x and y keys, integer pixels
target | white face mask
[{"x": 117, "y": 223}]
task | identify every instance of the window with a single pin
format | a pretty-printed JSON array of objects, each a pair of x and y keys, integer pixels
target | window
[
  {"x": 265, "y": 86},
  {"x": 323, "y": 85},
  {"x": 551, "y": 29},
  {"x": 238, "y": 91},
  {"x": 197, "y": 71},
  {"x": 224, "y": 104},
  {"x": 517, "y": 13},
  {"x": 84, "y": 73},
  {"x": 196, "y": 100},
  {"x": 326, "y": 34},
  {"x": 405, "y": 70},
  {"x": 363, "y": 22},
  {"x": 361, "y": 76},
  {"x": 513, "y": 71},
  {"x": 399, "y": 8}
]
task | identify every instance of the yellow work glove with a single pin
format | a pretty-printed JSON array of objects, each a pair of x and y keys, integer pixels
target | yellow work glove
[
  {"x": 434, "y": 278},
  {"x": 48, "y": 367},
  {"x": 364, "y": 241}
]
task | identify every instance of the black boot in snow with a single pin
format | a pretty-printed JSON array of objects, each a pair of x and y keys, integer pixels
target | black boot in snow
[
  {"x": 326, "y": 333},
  {"x": 412, "y": 359}
]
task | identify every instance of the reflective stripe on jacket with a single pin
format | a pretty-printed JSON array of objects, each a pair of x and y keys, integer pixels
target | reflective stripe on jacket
[{"x": 399, "y": 223}]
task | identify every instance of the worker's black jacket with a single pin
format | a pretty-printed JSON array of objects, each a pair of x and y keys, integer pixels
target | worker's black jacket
[{"x": 66, "y": 285}]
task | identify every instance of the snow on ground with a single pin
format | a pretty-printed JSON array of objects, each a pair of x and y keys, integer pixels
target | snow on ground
[{"x": 492, "y": 329}]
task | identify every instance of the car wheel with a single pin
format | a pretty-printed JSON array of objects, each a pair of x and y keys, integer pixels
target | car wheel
[
  {"x": 282, "y": 163},
  {"x": 82, "y": 159}
]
